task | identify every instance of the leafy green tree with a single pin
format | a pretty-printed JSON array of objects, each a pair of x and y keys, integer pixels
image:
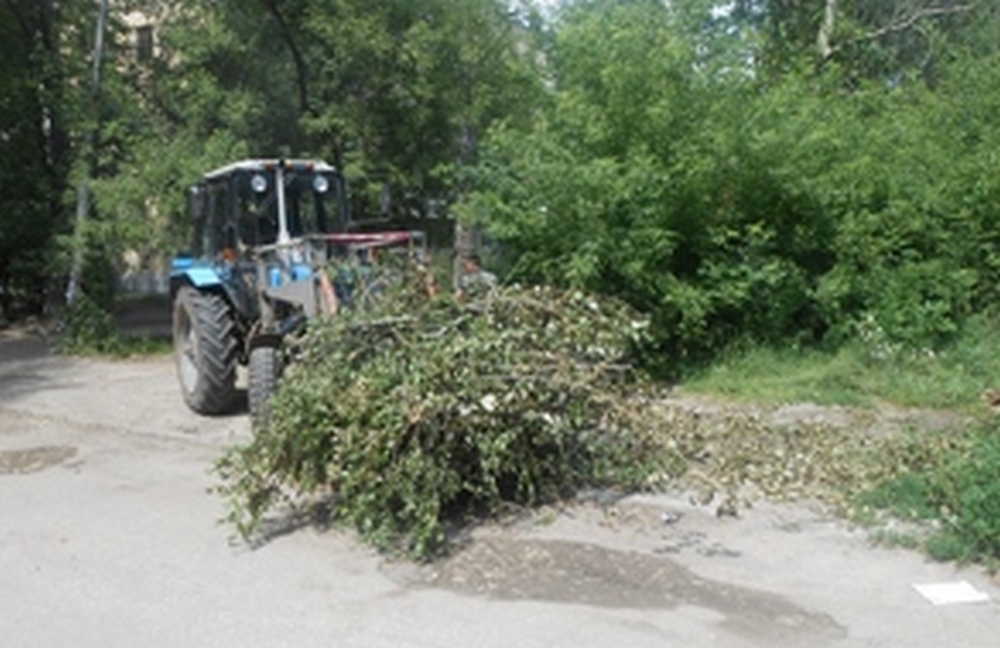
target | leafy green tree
[
  {"x": 36, "y": 109},
  {"x": 402, "y": 89},
  {"x": 744, "y": 171},
  {"x": 865, "y": 40},
  {"x": 641, "y": 181},
  {"x": 738, "y": 200},
  {"x": 396, "y": 92}
]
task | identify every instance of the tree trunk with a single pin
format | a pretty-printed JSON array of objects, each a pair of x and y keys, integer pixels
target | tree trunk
[
  {"x": 301, "y": 70},
  {"x": 826, "y": 28}
]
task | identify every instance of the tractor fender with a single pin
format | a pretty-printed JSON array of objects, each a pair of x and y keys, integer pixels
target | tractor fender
[
  {"x": 198, "y": 277},
  {"x": 186, "y": 271},
  {"x": 202, "y": 277}
]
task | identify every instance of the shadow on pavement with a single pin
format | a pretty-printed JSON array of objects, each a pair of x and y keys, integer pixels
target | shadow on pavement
[
  {"x": 27, "y": 361},
  {"x": 29, "y": 356},
  {"x": 317, "y": 515}
]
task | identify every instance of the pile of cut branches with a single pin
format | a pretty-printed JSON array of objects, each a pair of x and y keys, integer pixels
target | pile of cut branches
[
  {"x": 414, "y": 418},
  {"x": 424, "y": 414}
]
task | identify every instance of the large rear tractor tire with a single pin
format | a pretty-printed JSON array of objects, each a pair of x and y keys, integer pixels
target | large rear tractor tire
[
  {"x": 265, "y": 371},
  {"x": 207, "y": 351}
]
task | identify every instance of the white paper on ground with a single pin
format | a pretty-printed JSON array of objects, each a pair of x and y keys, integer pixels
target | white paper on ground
[{"x": 951, "y": 593}]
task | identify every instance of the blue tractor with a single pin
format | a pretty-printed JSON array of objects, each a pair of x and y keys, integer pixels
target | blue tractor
[{"x": 272, "y": 240}]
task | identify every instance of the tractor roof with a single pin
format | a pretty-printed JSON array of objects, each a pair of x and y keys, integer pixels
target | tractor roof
[{"x": 269, "y": 165}]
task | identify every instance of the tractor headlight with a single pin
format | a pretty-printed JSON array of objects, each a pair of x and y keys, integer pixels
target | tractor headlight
[
  {"x": 258, "y": 183},
  {"x": 321, "y": 184}
]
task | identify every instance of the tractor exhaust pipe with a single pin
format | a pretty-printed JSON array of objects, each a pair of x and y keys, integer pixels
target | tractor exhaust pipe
[{"x": 279, "y": 179}]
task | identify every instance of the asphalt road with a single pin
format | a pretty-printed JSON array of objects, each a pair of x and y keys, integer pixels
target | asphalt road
[{"x": 110, "y": 537}]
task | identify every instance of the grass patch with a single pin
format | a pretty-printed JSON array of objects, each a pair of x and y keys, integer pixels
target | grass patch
[
  {"x": 907, "y": 496},
  {"x": 941, "y": 489},
  {"x": 902, "y": 539},
  {"x": 956, "y": 489},
  {"x": 854, "y": 374},
  {"x": 774, "y": 376}
]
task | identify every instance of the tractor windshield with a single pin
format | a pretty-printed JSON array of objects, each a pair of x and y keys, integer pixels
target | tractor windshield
[{"x": 314, "y": 204}]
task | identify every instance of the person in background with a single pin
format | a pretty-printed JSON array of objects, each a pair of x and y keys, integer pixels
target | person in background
[{"x": 473, "y": 279}]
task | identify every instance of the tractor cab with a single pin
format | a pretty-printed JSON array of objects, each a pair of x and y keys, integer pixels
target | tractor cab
[
  {"x": 273, "y": 212},
  {"x": 273, "y": 247},
  {"x": 254, "y": 203}
]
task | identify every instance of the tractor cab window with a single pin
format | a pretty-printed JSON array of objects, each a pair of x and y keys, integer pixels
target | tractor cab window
[
  {"x": 313, "y": 202},
  {"x": 256, "y": 210},
  {"x": 313, "y": 205},
  {"x": 209, "y": 214},
  {"x": 257, "y": 223}
]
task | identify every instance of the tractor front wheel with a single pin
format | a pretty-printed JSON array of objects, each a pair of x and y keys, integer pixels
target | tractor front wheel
[
  {"x": 265, "y": 371},
  {"x": 206, "y": 349}
]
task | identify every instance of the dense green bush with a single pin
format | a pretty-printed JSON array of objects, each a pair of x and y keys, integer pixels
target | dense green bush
[
  {"x": 739, "y": 208},
  {"x": 88, "y": 328},
  {"x": 415, "y": 421}
]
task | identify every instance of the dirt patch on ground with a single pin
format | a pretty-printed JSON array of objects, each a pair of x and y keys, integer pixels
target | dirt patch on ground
[
  {"x": 524, "y": 569},
  {"x": 32, "y": 460}
]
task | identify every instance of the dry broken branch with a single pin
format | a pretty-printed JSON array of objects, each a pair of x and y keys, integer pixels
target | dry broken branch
[{"x": 827, "y": 50}]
